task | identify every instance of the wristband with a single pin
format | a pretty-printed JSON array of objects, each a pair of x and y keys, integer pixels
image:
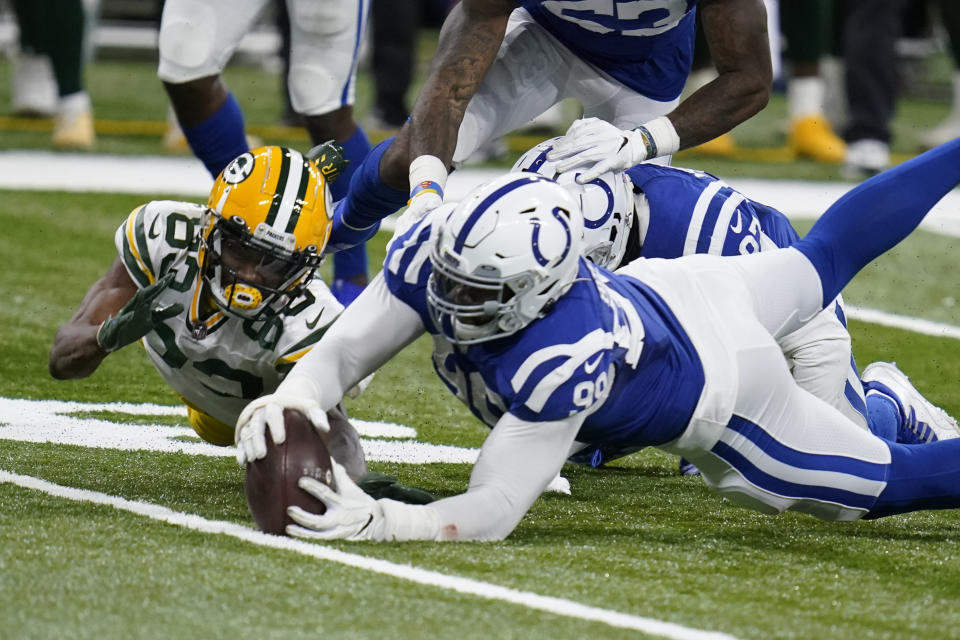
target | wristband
[
  {"x": 427, "y": 169},
  {"x": 660, "y": 137},
  {"x": 427, "y": 186}
]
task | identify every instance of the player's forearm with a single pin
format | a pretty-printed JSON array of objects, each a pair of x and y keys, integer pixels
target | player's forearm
[
  {"x": 468, "y": 45},
  {"x": 737, "y": 34},
  {"x": 75, "y": 352}
]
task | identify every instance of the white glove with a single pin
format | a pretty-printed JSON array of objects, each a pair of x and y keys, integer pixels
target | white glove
[
  {"x": 351, "y": 514},
  {"x": 266, "y": 412},
  {"x": 420, "y": 205},
  {"x": 602, "y": 147}
]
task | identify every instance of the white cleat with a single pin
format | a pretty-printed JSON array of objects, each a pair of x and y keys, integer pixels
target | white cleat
[{"x": 921, "y": 416}]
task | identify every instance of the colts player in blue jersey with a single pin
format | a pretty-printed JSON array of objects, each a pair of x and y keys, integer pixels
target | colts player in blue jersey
[
  {"x": 550, "y": 350},
  {"x": 501, "y": 63},
  {"x": 666, "y": 212}
]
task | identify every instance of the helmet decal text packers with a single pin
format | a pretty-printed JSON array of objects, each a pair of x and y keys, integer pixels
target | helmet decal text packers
[{"x": 269, "y": 219}]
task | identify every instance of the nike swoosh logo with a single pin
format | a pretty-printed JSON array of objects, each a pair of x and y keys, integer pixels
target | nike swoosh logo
[
  {"x": 153, "y": 229},
  {"x": 312, "y": 324},
  {"x": 590, "y": 367}
]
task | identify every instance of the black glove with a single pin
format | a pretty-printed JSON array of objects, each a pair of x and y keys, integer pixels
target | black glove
[
  {"x": 379, "y": 485},
  {"x": 137, "y": 318}
]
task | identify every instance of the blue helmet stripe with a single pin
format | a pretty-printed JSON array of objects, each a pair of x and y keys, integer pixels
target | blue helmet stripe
[{"x": 480, "y": 209}]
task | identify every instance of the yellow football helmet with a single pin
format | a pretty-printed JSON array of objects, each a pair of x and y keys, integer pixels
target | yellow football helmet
[{"x": 269, "y": 217}]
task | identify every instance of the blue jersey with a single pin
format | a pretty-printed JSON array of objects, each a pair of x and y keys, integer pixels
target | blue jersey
[
  {"x": 610, "y": 348},
  {"x": 694, "y": 212},
  {"x": 645, "y": 44}
]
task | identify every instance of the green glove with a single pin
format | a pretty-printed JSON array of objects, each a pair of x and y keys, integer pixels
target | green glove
[
  {"x": 379, "y": 485},
  {"x": 137, "y": 318},
  {"x": 329, "y": 159}
]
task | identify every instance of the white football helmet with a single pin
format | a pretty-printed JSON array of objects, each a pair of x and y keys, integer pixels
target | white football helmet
[
  {"x": 502, "y": 257},
  {"x": 607, "y": 205}
]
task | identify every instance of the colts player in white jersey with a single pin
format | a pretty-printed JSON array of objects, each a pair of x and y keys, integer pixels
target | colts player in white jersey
[
  {"x": 222, "y": 297},
  {"x": 501, "y": 63},
  {"x": 551, "y": 350},
  {"x": 653, "y": 211}
]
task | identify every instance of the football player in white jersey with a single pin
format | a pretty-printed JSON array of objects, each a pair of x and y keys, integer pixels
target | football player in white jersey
[
  {"x": 665, "y": 212},
  {"x": 551, "y": 350},
  {"x": 501, "y": 63},
  {"x": 222, "y": 297}
]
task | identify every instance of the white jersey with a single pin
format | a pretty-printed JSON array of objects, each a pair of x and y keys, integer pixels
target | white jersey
[{"x": 217, "y": 362}]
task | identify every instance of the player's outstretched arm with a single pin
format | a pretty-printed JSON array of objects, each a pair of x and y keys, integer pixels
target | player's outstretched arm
[
  {"x": 468, "y": 44},
  {"x": 517, "y": 461},
  {"x": 113, "y": 313},
  {"x": 374, "y": 328}
]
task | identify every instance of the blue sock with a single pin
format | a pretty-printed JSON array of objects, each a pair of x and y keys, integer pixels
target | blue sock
[
  {"x": 357, "y": 217},
  {"x": 883, "y": 417},
  {"x": 352, "y": 262},
  {"x": 355, "y": 149},
  {"x": 877, "y": 214},
  {"x": 924, "y": 476},
  {"x": 220, "y": 138}
]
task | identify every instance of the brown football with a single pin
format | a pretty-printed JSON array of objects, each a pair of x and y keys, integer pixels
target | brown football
[{"x": 271, "y": 482}]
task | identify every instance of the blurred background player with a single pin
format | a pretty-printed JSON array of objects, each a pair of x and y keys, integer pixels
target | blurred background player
[
  {"x": 197, "y": 39},
  {"x": 809, "y": 30},
  {"x": 498, "y": 66},
  {"x": 48, "y": 69}
]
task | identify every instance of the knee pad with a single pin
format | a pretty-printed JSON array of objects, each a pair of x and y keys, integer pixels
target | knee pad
[
  {"x": 187, "y": 45},
  {"x": 316, "y": 90},
  {"x": 325, "y": 18}
]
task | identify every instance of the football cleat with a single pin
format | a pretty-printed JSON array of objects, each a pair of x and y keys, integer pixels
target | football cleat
[
  {"x": 812, "y": 137},
  {"x": 923, "y": 421},
  {"x": 329, "y": 159},
  {"x": 865, "y": 158},
  {"x": 687, "y": 468},
  {"x": 942, "y": 133},
  {"x": 74, "y": 130},
  {"x": 723, "y": 146}
]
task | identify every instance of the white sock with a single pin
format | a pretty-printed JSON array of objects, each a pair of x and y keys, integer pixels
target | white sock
[{"x": 805, "y": 97}]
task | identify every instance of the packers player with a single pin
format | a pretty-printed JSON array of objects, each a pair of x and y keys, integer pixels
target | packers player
[{"x": 222, "y": 296}]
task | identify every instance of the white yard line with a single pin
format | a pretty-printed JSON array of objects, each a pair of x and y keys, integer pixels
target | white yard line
[
  {"x": 916, "y": 325},
  {"x": 530, "y": 600}
]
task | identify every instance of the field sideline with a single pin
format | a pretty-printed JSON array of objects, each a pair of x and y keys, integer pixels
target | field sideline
[{"x": 87, "y": 548}]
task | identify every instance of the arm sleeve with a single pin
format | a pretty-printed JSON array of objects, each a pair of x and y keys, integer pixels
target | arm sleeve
[
  {"x": 517, "y": 462},
  {"x": 374, "y": 328}
]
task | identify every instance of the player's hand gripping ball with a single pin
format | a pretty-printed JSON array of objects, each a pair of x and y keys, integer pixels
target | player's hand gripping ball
[{"x": 271, "y": 482}]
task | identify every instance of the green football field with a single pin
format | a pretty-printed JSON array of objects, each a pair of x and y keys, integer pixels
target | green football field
[{"x": 107, "y": 531}]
